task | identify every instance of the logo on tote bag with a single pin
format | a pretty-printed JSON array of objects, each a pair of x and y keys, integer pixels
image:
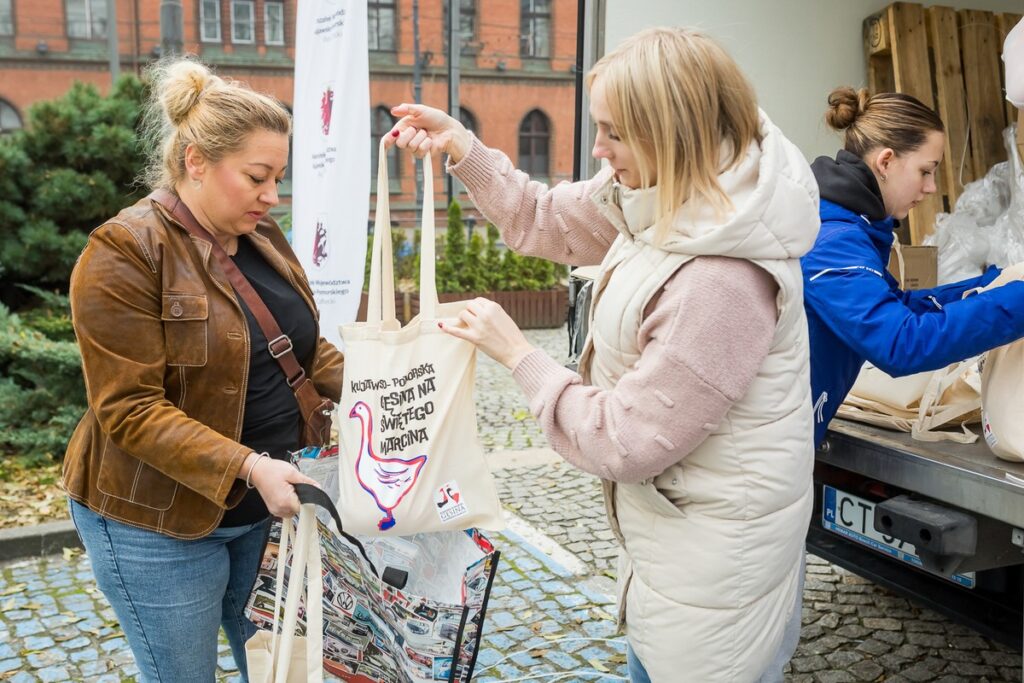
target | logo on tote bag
[
  {"x": 448, "y": 500},
  {"x": 387, "y": 480}
]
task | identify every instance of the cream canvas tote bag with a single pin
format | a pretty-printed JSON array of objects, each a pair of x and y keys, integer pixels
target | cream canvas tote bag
[
  {"x": 409, "y": 457},
  {"x": 921, "y": 404},
  {"x": 1002, "y": 381},
  {"x": 274, "y": 657}
]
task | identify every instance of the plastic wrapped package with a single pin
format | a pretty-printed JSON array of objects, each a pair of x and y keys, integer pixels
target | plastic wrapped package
[
  {"x": 987, "y": 224},
  {"x": 1006, "y": 245}
]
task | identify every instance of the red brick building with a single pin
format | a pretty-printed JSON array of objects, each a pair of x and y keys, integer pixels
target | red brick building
[{"x": 517, "y": 67}]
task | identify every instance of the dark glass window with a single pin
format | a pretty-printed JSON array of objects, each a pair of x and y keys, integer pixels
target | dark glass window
[
  {"x": 467, "y": 27},
  {"x": 381, "y": 21},
  {"x": 535, "y": 28},
  {"x": 534, "y": 143},
  {"x": 469, "y": 121},
  {"x": 209, "y": 21},
  {"x": 6, "y": 18},
  {"x": 10, "y": 120},
  {"x": 273, "y": 23},
  {"x": 86, "y": 19}
]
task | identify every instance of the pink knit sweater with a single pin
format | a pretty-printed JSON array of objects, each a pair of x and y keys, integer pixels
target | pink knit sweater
[{"x": 703, "y": 338}]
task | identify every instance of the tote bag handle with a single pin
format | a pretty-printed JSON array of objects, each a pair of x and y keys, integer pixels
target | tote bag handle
[
  {"x": 381, "y": 300},
  {"x": 306, "y": 563}
]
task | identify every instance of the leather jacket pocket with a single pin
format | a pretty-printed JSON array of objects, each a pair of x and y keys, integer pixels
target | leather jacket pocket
[
  {"x": 185, "y": 328},
  {"x": 125, "y": 477}
]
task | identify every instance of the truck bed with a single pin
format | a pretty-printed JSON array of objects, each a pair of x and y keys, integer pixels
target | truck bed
[
  {"x": 968, "y": 476},
  {"x": 965, "y": 476}
]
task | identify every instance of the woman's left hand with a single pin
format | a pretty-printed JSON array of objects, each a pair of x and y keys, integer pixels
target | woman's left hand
[{"x": 487, "y": 325}]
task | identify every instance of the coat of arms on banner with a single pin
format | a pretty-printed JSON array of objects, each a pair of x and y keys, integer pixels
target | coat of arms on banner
[
  {"x": 320, "y": 243},
  {"x": 326, "y": 107}
]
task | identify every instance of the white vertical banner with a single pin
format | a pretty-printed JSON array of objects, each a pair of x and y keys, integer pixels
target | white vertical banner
[{"x": 331, "y": 155}]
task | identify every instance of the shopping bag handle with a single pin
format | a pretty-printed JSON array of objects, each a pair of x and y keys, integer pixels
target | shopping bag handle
[
  {"x": 381, "y": 291},
  {"x": 314, "y": 495}
]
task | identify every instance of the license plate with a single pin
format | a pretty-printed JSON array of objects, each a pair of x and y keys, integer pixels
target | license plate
[{"x": 854, "y": 518}]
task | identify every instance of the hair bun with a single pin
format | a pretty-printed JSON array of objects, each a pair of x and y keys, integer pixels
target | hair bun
[
  {"x": 844, "y": 106},
  {"x": 181, "y": 86}
]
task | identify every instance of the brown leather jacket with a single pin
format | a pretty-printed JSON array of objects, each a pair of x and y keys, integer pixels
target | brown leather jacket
[{"x": 165, "y": 351}]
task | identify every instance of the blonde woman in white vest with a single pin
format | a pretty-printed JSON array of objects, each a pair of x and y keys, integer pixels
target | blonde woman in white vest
[{"x": 692, "y": 402}]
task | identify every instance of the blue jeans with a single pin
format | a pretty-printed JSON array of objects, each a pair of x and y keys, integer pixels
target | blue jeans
[
  {"x": 636, "y": 670},
  {"x": 171, "y": 595}
]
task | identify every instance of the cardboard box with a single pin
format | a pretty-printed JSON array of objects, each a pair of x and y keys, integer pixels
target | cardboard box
[{"x": 921, "y": 267}]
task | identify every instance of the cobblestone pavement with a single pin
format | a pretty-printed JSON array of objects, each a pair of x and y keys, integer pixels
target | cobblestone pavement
[{"x": 56, "y": 626}]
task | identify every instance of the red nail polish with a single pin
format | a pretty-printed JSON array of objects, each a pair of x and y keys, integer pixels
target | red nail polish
[
  {"x": 441, "y": 325},
  {"x": 394, "y": 133}
]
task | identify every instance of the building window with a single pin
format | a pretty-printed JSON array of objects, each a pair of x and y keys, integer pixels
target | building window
[
  {"x": 381, "y": 15},
  {"x": 87, "y": 19},
  {"x": 6, "y": 18},
  {"x": 381, "y": 122},
  {"x": 243, "y": 21},
  {"x": 534, "y": 140},
  {"x": 9, "y": 118},
  {"x": 535, "y": 27},
  {"x": 468, "y": 120},
  {"x": 273, "y": 23},
  {"x": 209, "y": 21},
  {"x": 467, "y": 27}
]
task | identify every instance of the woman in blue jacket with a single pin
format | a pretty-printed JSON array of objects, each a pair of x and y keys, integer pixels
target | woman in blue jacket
[{"x": 856, "y": 311}]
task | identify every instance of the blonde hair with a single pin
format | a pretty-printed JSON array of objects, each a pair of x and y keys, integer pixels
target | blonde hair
[
  {"x": 190, "y": 105},
  {"x": 679, "y": 100},
  {"x": 891, "y": 119}
]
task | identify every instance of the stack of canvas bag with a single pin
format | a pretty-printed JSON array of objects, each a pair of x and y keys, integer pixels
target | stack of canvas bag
[{"x": 921, "y": 404}]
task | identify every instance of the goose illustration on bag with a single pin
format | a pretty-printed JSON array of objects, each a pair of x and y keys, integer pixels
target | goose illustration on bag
[{"x": 387, "y": 480}]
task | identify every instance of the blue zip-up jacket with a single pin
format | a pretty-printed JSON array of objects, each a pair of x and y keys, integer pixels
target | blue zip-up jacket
[{"x": 856, "y": 310}]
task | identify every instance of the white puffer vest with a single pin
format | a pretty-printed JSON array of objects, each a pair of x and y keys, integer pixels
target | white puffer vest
[{"x": 711, "y": 548}]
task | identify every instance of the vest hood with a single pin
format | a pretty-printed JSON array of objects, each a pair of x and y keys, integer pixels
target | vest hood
[{"x": 774, "y": 211}]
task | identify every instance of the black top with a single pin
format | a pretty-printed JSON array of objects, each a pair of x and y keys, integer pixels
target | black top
[
  {"x": 271, "y": 421},
  {"x": 848, "y": 182}
]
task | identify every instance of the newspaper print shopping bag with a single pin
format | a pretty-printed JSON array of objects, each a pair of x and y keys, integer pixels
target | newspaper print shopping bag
[
  {"x": 426, "y": 629},
  {"x": 410, "y": 460}
]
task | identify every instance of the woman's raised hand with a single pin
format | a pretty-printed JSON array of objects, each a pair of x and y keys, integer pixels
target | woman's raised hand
[{"x": 423, "y": 129}]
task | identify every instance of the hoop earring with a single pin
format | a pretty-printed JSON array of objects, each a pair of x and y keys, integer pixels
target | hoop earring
[
  {"x": 198, "y": 184},
  {"x": 884, "y": 178}
]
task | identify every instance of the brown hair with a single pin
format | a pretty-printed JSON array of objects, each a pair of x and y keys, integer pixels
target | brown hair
[
  {"x": 891, "y": 119},
  {"x": 678, "y": 100},
  {"x": 190, "y": 105}
]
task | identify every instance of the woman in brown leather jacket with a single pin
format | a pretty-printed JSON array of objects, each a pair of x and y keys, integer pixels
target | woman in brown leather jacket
[{"x": 183, "y": 453}]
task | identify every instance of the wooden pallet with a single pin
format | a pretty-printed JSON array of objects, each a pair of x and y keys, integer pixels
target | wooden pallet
[{"x": 950, "y": 60}]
